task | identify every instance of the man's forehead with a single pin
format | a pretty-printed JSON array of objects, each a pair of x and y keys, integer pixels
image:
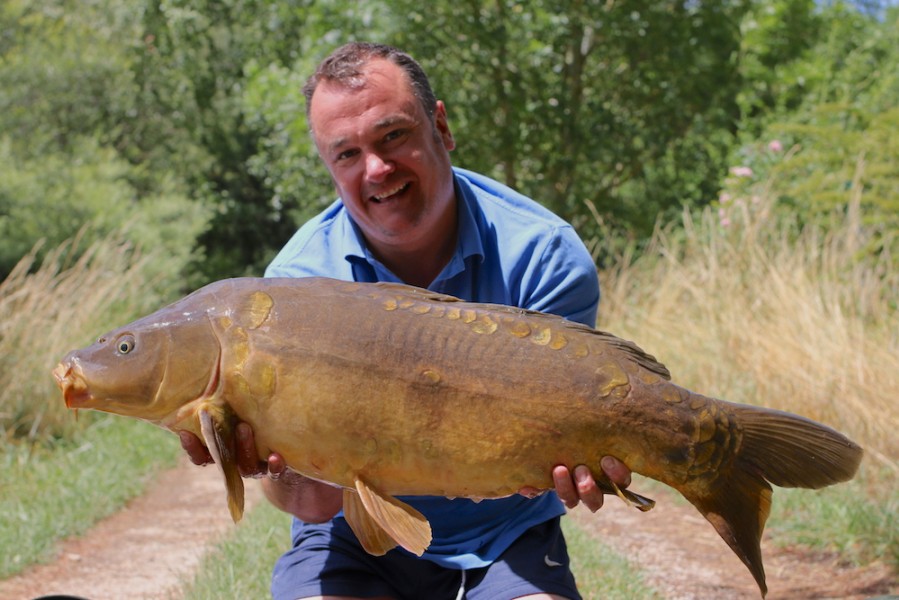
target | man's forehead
[{"x": 340, "y": 112}]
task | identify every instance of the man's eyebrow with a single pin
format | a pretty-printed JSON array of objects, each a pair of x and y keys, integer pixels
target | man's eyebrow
[
  {"x": 338, "y": 143},
  {"x": 388, "y": 122}
]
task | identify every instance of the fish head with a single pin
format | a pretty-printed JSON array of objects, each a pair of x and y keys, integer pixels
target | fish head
[{"x": 148, "y": 369}]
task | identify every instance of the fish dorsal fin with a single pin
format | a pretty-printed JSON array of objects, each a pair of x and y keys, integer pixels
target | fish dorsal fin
[
  {"x": 405, "y": 525},
  {"x": 216, "y": 426},
  {"x": 372, "y": 536}
]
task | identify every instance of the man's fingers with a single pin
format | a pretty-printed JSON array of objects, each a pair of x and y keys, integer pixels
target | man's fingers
[
  {"x": 276, "y": 466},
  {"x": 588, "y": 491},
  {"x": 565, "y": 486},
  {"x": 616, "y": 470},
  {"x": 195, "y": 449},
  {"x": 248, "y": 463}
]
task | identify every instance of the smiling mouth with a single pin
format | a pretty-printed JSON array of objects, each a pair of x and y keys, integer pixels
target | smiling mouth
[{"x": 390, "y": 194}]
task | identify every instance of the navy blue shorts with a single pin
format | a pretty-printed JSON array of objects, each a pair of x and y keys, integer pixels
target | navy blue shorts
[{"x": 329, "y": 561}]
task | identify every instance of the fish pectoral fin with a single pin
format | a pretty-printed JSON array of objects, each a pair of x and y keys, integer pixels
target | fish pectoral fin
[
  {"x": 402, "y": 523},
  {"x": 372, "y": 536},
  {"x": 216, "y": 426}
]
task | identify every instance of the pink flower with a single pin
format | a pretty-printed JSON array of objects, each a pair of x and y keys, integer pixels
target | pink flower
[
  {"x": 741, "y": 171},
  {"x": 775, "y": 146}
]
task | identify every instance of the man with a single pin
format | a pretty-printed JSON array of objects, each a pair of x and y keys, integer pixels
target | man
[{"x": 405, "y": 214}]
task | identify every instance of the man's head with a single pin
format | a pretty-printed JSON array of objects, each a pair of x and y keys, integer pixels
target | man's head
[{"x": 385, "y": 140}]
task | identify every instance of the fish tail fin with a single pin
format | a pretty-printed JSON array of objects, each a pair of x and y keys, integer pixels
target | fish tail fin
[
  {"x": 779, "y": 448},
  {"x": 793, "y": 451},
  {"x": 738, "y": 509}
]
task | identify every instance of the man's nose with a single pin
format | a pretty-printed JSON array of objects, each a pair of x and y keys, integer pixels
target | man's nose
[{"x": 377, "y": 167}]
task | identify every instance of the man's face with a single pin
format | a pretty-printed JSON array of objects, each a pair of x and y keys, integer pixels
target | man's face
[{"x": 389, "y": 162}]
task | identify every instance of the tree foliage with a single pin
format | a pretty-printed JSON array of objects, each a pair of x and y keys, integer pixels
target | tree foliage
[
  {"x": 67, "y": 160},
  {"x": 628, "y": 106},
  {"x": 166, "y": 111},
  {"x": 839, "y": 125}
]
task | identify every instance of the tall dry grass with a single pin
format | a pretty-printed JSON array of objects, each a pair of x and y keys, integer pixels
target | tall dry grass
[
  {"x": 759, "y": 309},
  {"x": 63, "y": 303}
]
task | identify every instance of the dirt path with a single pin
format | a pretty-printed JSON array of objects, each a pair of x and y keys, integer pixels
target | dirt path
[
  {"x": 149, "y": 548},
  {"x": 143, "y": 551},
  {"x": 681, "y": 556}
]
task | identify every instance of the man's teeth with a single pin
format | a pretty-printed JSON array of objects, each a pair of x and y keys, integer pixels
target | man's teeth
[{"x": 389, "y": 193}]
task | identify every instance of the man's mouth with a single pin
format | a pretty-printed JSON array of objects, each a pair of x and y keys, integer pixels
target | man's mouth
[{"x": 390, "y": 194}]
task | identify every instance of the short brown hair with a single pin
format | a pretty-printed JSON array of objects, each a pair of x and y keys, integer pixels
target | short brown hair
[{"x": 344, "y": 66}]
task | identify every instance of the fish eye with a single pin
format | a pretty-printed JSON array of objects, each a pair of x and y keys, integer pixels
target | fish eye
[{"x": 125, "y": 344}]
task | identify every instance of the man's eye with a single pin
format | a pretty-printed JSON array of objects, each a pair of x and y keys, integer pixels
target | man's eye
[
  {"x": 394, "y": 135},
  {"x": 346, "y": 154}
]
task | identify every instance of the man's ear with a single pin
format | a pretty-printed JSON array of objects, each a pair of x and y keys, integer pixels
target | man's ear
[{"x": 441, "y": 126}]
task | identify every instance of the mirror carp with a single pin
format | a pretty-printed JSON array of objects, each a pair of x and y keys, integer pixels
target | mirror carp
[{"x": 388, "y": 390}]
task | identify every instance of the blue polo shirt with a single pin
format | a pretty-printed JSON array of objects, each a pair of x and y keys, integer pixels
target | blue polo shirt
[{"x": 510, "y": 251}]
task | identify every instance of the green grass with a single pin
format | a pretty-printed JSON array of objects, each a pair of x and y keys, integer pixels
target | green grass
[
  {"x": 240, "y": 566},
  {"x": 602, "y": 573},
  {"x": 48, "y": 495},
  {"x": 848, "y": 519}
]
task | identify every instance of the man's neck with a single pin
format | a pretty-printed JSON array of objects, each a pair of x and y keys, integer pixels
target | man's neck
[
  {"x": 420, "y": 267},
  {"x": 420, "y": 264}
]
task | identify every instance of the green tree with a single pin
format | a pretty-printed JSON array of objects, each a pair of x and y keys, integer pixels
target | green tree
[
  {"x": 840, "y": 130},
  {"x": 66, "y": 103},
  {"x": 226, "y": 73},
  {"x": 628, "y": 106}
]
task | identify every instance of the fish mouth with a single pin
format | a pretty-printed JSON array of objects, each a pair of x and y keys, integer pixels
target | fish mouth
[{"x": 71, "y": 382}]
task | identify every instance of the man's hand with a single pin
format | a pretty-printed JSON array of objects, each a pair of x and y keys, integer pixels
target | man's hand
[
  {"x": 306, "y": 499},
  {"x": 579, "y": 486}
]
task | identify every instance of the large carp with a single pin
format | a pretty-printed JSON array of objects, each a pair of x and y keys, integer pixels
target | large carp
[{"x": 387, "y": 390}]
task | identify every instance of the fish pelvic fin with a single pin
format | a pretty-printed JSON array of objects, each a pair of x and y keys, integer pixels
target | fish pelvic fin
[
  {"x": 217, "y": 428},
  {"x": 372, "y": 536},
  {"x": 381, "y": 522}
]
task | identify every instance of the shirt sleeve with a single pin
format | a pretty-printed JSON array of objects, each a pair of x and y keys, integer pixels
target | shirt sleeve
[{"x": 562, "y": 279}]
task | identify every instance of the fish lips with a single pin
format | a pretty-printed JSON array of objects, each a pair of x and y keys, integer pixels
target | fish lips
[{"x": 71, "y": 382}]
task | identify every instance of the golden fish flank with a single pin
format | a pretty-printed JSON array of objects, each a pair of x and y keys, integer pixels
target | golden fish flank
[{"x": 491, "y": 397}]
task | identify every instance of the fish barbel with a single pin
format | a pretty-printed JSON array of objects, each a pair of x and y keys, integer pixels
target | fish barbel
[{"x": 387, "y": 390}]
